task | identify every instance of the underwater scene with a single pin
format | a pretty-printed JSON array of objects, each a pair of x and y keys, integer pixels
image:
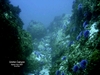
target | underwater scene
[{"x": 50, "y": 37}]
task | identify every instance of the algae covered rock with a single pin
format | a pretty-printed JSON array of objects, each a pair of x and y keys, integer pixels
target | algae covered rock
[
  {"x": 36, "y": 29},
  {"x": 94, "y": 63},
  {"x": 16, "y": 43}
]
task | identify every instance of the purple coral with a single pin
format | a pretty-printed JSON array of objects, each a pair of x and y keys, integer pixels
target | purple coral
[
  {"x": 62, "y": 73},
  {"x": 63, "y": 58},
  {"x": 85, "y": 24},
  {"x": 83, "y": 64},
  {"x": 75, "y": 68},
  {"x": 79, "y": 6},
  {"x": 58, "y": 72},
  {"x": 79, "y": 36},
  {"x": 86, "y": 33}
]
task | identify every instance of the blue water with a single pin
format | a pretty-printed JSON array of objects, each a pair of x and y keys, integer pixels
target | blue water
[{"x": 42, "y": 10}]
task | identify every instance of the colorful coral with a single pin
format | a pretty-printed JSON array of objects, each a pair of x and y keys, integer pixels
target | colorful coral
[
  {"x": 75, "y": 68},
  {"x": 83, "y": 64},
  {"x": 86, "y": 33},
  {"x": 80, "y": 6},
  {"x": 58, "y": 72},
  {"x": 85, "y": 24}
]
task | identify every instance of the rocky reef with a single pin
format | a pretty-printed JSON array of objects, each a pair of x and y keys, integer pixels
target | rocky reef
[
  {"x": 36, "y": 29},
  {"x": 16, "y": 43},
  {"x": 83, "y": 29},
  {"x": 69, "y": 46}
]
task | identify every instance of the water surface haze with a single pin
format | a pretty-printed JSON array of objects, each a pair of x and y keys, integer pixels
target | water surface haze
[{"x": 42, "y": 10}]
